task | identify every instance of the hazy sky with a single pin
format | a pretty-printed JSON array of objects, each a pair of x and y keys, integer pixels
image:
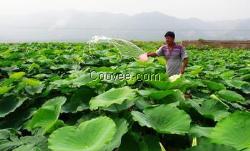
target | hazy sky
[{"x": 202, "y": 9}]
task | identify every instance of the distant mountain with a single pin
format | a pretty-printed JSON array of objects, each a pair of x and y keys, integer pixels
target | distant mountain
[{"x": 81, "y": 26}]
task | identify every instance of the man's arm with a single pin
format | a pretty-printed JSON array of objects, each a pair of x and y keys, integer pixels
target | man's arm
[
  {"x": 184, "y": 58},
  {"x": 159, "y": 52},
  {"x": 184, "y": 65},
  {"x": 152, "y": 54}
]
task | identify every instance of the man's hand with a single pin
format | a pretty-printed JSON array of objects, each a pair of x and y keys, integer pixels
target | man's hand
[
  {"x": 182, "y": 70},
  {"x": 143, "y": 57}
]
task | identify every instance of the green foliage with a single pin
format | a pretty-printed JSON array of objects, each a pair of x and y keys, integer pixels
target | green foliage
[
  {"x": 215, "y": 86},
  {"x": 92, "y": 135},
  {"x": 164, "y": 119},
  {"x": 79, "y": 101},
  {"x": 230, "y": 96},
  {"x": 46, "y": 116},
  {"x": 9, "y": 140},
  {"x": 49, "y": 92},
  {"x": 10, "y": 104},
  {"x": 199, "y": 131},
  {"x": 233, "y": 131},
  {"x": 211, "y": 147},
  {"x": 113, "y": 96},
  {"x": 212, "y": 109}
]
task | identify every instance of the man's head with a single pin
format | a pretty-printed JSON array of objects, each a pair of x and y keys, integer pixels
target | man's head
[{"x": 170, "y": 36}]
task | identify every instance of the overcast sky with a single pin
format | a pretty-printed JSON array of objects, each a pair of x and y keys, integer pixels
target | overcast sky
[{"x": 202, "y": 9}]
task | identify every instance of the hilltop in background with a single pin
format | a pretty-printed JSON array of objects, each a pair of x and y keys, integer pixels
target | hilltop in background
[{"x": 79, "y": 26}]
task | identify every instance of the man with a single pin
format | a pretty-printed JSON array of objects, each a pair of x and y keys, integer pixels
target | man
[{"x": 176, "y": 56}]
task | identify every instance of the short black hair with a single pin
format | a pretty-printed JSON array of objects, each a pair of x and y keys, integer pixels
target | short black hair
[{"x": 170, "y": 34}]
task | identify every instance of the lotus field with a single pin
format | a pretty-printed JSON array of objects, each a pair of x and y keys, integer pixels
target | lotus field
[{"x": 83, "y": 97}]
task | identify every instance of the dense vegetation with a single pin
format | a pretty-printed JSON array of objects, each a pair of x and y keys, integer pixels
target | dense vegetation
[{"x": 48, "y": 100}]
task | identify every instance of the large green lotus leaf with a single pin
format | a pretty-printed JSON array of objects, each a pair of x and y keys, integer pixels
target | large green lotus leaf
[
  {"x": 181, "y": 83},
  {"x": 213, "y": 109},
  {"x": 173, "y": 82},
  {"x": 211, "y": 147},
  {"x": 10, "y": 104},
  {"x": 235, "y": 83},
  {"x": 230, "y": 96},
  {"x": 92, "y": 135},
  {"x": 156, "y": 94},
  {"x": 187, "y": 84},
  {"x": 234, "y": 131},
  {"x": 112, "y": 96},
  {"x": 164, "y": 119},
  {"x": 214, "y": 86},
  {"x": 122, "y": 128},
  {"x": 79, "y": 100},
  {"x": 167, "y": 119},
  {"x": 46, "y": 116},
  {"x": 227, "y": 74},
  {"x": 163, "y": 96},
  {"x": 199, "y": 131}
]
